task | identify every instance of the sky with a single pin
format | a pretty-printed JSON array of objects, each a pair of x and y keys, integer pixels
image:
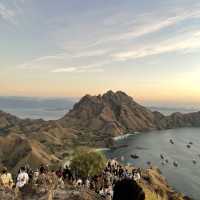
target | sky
[{"x": 149, "y": 49}]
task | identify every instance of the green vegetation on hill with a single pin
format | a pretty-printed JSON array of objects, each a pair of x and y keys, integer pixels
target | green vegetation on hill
[{"x": 88, "y": 162}]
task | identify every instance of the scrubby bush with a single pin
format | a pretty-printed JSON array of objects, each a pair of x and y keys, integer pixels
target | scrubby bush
[{"x": 87, "y": 162}]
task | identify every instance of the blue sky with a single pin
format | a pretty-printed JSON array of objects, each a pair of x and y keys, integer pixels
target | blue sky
[{"x": 148, "y": 48}]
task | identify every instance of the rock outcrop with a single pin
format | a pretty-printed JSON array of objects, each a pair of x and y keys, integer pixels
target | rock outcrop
[
  {"x": 111, "y": 113},
  {"x": 114, "y": 114}
]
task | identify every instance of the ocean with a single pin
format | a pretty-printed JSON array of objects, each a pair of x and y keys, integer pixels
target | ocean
[
  {"x": 149, "y": 146},
  {"x": 36, "y": 108},
  {"x": 55, "y": 108}
]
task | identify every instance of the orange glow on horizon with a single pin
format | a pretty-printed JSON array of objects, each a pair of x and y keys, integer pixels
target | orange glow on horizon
[{"x": 139, "y": 94}]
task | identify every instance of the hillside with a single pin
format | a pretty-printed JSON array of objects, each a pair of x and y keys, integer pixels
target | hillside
[
  {"x": 93, "y": 121},
  {"x": 32, "y": 141},
  {"x": 113, "y": 114},
  {"x": 152, "y": 182}
]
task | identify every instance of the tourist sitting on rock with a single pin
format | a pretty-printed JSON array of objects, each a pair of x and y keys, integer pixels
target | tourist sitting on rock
[
  {"x": 30, "y": 172},
  {"x": 109, "y": 164},
  {"x": 67, "y": 174},
  {"x": 87, "y": 183},
  {"x": 109, "y": 193},
  {"x": 102, "y": 192},
  {"x": 43, "y": 180},
  {"x": 59, "y": 173},
  {"x": 35, "y": 176},
  {"x": 125, "y": 174},
  {"x": 6, "y": 180},
  {"x": 60, "y": 176},
  {"x": 136, "y": 175},
  {"x": 79, "y": 183},
  {"x": 128, "y": 189},
  {"x": 113, "y": 162},
  {"x": 22, "y": 178},
  {"x": 120, "y": 172}
]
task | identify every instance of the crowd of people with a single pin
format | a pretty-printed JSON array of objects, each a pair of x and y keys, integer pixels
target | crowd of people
[{"x": 107, "y": 184}]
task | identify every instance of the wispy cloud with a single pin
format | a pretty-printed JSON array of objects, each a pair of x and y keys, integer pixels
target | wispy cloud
[
  {"x": 67, "y": 69},
  {"x": 155, "y": 26},
  {"x": 153, "y": 23},
  {"x": 52, "y": 57},
  {"x": 182, "y": 45},
  {"x": 67, "y": 63},
  {"x": 95, "y": 67},
  {"x": 98, "y": 52},
  {"x": 77, "y": 70},
  {"x": 78, "y": 58}
]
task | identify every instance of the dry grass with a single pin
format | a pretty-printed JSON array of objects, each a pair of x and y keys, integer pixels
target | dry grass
[{"x": 151, "y": 195}]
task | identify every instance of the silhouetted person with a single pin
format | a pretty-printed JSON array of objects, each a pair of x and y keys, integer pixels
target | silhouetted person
[{"x": 128, "y": 189}]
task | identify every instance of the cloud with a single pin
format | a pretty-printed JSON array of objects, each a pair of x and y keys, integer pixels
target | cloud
[
  {"x": 95, "y": 67},
  {"x": 57, "y": 63},
  {"x": 98, "y": 52},
  {"x": 7, "y": 14},
  {"x": 63, "y": 57},
  {"x": 67, "y": 69},
  {"x": 76, "y": 70},
  {"x": 159, "y": 25},
  {"x": 183, "y": 45},
  {"x": 153, "y": 23},
  {"x": 52, "y": 57},
  {"x": 77, "y": 58},
  {"x": 68, "y": 62}
]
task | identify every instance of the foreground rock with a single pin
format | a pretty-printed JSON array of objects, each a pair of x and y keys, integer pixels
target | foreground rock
[
  {"x": 58, "y": 194},
  {"x": 151, "y": 181}
]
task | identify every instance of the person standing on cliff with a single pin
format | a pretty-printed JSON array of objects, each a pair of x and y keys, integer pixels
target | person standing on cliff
[
  {"x": 136, "y": 174},
  {"x": 6, "y": 179},
  {"x": 22, "y": 178}
]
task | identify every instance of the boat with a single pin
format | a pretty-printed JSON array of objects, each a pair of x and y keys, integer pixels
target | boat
[
  {"x": 162, "y": 163},
  {"x": 175, "y": 164},
  {"x": 190, "y": 143},
  {"x": 194, "y": 162},
  {"x": 188, "y": 146},
  {"x": 171, "y": 141},
  {"x": 134, "y": 156},
  {"x": 167, "y": 161},
  {"x": 148, "y": 162},
  {"x": 161, "y": 156}
]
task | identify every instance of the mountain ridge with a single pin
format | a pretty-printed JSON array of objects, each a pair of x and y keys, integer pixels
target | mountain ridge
[{"x": 93, "y": 122}]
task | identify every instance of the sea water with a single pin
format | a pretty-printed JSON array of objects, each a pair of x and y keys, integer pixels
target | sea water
[{"x": 150, "y": 145}]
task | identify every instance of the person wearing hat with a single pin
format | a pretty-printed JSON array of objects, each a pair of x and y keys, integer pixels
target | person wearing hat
[{"x": 6, "y": 179}]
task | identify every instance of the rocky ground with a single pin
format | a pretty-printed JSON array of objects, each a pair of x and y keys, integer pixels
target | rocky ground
[{"x": 152, "y": 182}]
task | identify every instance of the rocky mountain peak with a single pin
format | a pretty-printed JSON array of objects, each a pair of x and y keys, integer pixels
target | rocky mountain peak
[
  {"x": 111, "y": 113},
  {"x": 117, "y": 98}
]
